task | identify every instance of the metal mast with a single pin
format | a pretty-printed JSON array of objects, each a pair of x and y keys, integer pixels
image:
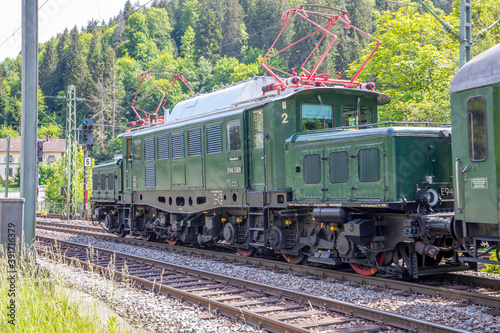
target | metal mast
[
  {"x": 29, "y": 107},
  {"x": 69, "y": 207}
]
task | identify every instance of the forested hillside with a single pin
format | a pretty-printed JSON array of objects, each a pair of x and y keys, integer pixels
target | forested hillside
[{"x": 216, "y": 42}]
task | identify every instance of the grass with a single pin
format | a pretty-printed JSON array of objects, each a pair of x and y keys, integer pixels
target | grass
[{"x": 40, "y": 303}]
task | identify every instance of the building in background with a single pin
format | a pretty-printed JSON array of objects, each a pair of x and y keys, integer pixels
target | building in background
[{"x": 53, "y": 149}]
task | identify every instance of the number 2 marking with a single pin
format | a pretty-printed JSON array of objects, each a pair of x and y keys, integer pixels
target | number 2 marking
[{"x": 285, "y": 117}]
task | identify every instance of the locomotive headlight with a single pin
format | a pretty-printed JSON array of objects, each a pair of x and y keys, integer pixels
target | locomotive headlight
[{"x": 428, "y": 197}]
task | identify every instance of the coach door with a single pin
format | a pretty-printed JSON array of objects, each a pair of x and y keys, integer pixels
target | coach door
[
  {"x": 256, "y": 150},
  {"x": 475, "y": 168}
]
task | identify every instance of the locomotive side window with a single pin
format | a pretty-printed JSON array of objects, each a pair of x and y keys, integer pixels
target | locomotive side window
[
  {"x": 111, "y": 181},
  {"x": 354, "y": 115},
  {"x": 316, "y": 116},
  {"x": 149, "y": 149},
  {"x": 137, "y": 150},
  {"x": 194, "y": 142},
  {"x": 258, "y": 129},
  {"x": 312, "y": 169},
  {"x": 103, "y": 181},
  {"x": 129, "y": 149},
  {"x": 477, "y": 130},
  {"x": 339, "y": 167},
  {"x": 95, "y": 182},
  {"x": 163, "y": 147},
  {"x": 369, "y": 165},
  {"x": 214, "y": 139},
  {"x": 233, "y": 135},
  {"x": 178, "y": 145}
]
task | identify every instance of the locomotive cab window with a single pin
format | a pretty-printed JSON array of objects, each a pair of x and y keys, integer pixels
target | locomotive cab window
[
  {"x": 316, "y": 116},
  {"x": 477, "y": 129},
  {"x": 258, "y": 129},
  {"x": 233, "y": 136},
  {"x": 354, "y": 115},
  {"x": 137, "y": 150}
]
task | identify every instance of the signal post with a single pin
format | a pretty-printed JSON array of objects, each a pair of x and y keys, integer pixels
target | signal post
[{"x": 88, "y": 145}]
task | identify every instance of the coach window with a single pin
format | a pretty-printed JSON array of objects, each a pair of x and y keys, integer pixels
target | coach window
[
  {"x": 316, "y": 116},
  {"x": 477, "y": 130},
  {"x": 233, "y": 135},
  {"x": 258, "y": 129},
  {"x": 137, "y": 150},
  {"x": 355, "y": 115}
]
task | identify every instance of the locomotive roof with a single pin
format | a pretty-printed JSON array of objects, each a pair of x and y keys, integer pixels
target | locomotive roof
[
  {"x": 235, "y": 99},
  {"x": 481, "y": 71},
  {"x": 223, "y": 98},
  {"x": 369, "y": 133}
]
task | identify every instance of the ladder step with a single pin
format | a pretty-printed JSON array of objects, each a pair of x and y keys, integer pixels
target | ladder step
[
  {"x": 256, "y": 229},
  {"x": 257, "y": 244},
  {"x": 256, "y": 213}
]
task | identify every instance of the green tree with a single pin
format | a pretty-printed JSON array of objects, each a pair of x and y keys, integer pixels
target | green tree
[
  {"x": 56, "y": 179},
  {"x": 7, "y": 130},
  {"x": 159, "y": 28},
  {"x": 52, "y": 130},
  {"x": 414, "y": 65}
]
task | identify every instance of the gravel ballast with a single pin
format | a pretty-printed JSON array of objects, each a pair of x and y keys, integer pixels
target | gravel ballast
[{"x": 459, "y": 315}]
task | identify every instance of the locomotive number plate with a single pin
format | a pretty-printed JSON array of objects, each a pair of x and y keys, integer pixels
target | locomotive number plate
[
  {"x": 446, "y": 192},
  {"x": 234, "y": 169}
]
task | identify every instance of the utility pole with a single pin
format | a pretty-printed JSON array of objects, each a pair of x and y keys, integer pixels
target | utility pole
[
  {"x": 465, "y": 36},
  {"x": 69, "y": 206},
  {"x": 7, "y": 167},
  {"x": 29, "y": 121},
  {"x": 465, "y": 32}
]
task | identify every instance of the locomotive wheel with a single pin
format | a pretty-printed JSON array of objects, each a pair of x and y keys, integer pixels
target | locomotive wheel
[
  {"x": 246, "y": 253},
  {"x": 368, "y": 270},
  {"x": 293, "y": 259},
  {"x": 122, "y": 234},
  {"x": 171, "y": 241},
  {"x": 149, "y": 237}
]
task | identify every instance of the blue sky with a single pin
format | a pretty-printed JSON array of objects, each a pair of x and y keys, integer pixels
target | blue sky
[{"x": 53, "y": 17}]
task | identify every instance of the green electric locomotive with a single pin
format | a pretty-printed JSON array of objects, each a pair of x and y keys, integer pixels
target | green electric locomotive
[
  {"x": 305, "y": 171},
  {"x": 302, "y": 173}
]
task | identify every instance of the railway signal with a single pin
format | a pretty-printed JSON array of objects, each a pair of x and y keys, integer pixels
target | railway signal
[
  {"x": 39, "y": 151},
  {"x": 88, "y": 133}
]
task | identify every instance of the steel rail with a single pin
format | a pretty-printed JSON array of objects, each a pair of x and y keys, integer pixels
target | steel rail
[
  {"x": 378, "y": 316},
  {"x": 386, "y": 283}
]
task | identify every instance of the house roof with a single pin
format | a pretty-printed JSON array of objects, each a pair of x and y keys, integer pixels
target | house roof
[{"x": 50, "y": 146}]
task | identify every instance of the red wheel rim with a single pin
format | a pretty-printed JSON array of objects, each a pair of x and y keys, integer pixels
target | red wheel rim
[
  {"x": 365, "y": 270},
  {"x": 245, "y": 253},
  {"x": 293, "y": 259},
  {"x": 171, "y": 241}
]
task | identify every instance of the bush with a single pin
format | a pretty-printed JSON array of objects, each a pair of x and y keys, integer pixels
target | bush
[{"x": 492, "y": 268}]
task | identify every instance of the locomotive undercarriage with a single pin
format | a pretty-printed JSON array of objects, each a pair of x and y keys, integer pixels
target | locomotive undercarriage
[{"x": 368, "y": 241}]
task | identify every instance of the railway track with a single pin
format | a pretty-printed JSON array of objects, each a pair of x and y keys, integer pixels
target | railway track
[
  {"x": 449, "y": 286},
  {"x": 270, "y": 308}
]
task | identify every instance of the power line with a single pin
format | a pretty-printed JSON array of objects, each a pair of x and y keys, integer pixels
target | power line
[{"x": 12, "y": 35}]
